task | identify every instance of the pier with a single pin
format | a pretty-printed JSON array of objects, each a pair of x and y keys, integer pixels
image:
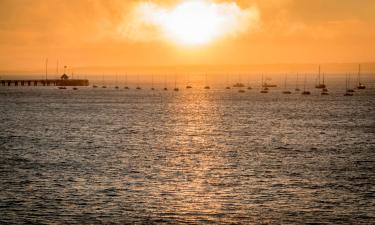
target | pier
[{"x": 64, "y": 81}]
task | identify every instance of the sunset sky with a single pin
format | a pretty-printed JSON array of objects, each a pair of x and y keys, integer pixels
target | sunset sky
[{"x": 118, "y": 33}]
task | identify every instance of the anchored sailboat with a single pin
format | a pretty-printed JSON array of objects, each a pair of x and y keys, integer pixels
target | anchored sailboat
[
  {"x": 348, "y": 92},
  {"x": 206, "y": 86},
  {"x": 304, "y": 87},
  {"x": 285, "y": 90},
  {"x": 360, "y": 85},
  {"x": 264, "y": 89},
  {"x": 320, "y": 85}
]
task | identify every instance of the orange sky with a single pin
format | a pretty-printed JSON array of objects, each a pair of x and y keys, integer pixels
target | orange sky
[{"x": 97, "y": 34}]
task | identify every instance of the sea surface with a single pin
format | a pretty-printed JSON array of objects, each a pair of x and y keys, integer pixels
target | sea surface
[{"x": 99, "y": 156}]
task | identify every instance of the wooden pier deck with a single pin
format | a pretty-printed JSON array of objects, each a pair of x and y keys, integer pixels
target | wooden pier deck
[{"x": 50, "y": 82}]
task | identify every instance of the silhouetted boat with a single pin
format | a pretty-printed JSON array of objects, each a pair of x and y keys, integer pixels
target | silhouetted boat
[
  {"x": 126, "y": 87},
  {"x": 249, "y": 88},
  {"x": 325, "y": 89},
  {"x": 206, "y": 86},
  {"x": 165, "y": 83},
  {"x": 94, "y": 86},
  {"x": 348, "y": 89},
  {"x": 152, "y": 82},
  {"x": 238, "y": 85},
  {"x": 227, "y": 88},
  {"x": 304, "y": 87},
  {"x": 297, "y": 84},
  {"x": 264, "y": 90},
  {"x": 75, "y": 89},
  {"x": 286, "y": 91},
  {"x": 360, "y": 85},
  {"x": 103, "y": 86},
  {"x": 62, "y": 88},
  {"x": 241, "y": 91},
  {"x": 188, "y": 86},
  {"x": 269, "y": 85},
  {"x": 320, "y": 85},
  {"x": 138, "y": 88},
  {"x": 175, "y": 84}
]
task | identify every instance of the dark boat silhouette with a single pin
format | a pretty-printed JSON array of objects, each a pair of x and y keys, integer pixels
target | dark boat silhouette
[
  {"x": 320, "y": 85},
  {"x": 241, "y": 91},
  {"x": 266, "y": 85},
  {"x": 206, "y": 83},
  {"x": 286, "y": 91},
  {"x": 238, "y": 85},
  {"x": 304, "y": 87},
  {"x": 62, "y": 88},
  {"x": 360, "y": 85},
  {"x": 348, "y": 92},
  {"x": 297, "y": 84},
  {"x": 264, "y": 90}
]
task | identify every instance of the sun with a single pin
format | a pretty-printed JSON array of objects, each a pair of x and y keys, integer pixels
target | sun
[{"x": 192, "y": 23}]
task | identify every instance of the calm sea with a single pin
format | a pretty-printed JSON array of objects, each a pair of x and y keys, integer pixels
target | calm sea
[{"x": 195, "y": 156}]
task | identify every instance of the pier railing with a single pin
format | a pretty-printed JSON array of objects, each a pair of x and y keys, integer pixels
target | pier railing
[{"x": 52, "y": 82}]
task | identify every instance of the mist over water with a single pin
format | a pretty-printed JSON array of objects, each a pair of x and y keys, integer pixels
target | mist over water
[{"x": 193, "y": 156}]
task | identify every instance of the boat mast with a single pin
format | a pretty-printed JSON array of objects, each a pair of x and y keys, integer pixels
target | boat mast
[
  {"x": 46, "y": 68},
  {"x": 297, "y": 81},
  {"x": 319, "y": 76},
  {"x": 285, "y": 81},
  {"x": 359, "y": 74}
]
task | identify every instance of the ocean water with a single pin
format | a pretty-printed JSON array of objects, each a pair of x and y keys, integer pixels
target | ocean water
[{"x": 99, "y": 156}]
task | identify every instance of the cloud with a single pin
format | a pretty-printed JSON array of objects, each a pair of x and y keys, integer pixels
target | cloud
[{"x": 189, "y": 21}]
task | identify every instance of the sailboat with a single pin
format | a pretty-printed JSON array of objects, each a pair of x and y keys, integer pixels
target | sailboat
[
  {"x": 152, "y": 82},
  {"x": 304, "y": 87},
  {"x": 269, "y": 85},
  {"x": 227, "y": 83},
  {"x": 360, "y": 85},
  {"x": 103, "y": 86},
  {"x": 138, "y": 87},
  {"x": 206, "y": 87},
  {"x": 324, "y": 90},
  {"x": 126, "y": 82},
  {"x": 297, "y": 85},
  {"x": 116, "y": 87},
  {"x": 264, "y": 90},
  {"x": 165, "y": 83},
  {"x": 175, "y": 84},
  {"x": 348, "y": 91},
  {"x": 320, "y": 85},
  {"x": 188, "y": 86},
  {"x": 286, "y": 91}
]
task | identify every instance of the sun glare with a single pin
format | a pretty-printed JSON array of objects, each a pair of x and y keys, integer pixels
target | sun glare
[{"x": 193, "y": 22}]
